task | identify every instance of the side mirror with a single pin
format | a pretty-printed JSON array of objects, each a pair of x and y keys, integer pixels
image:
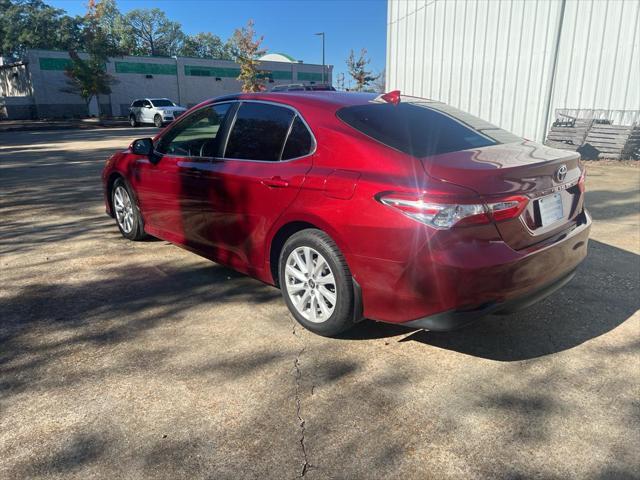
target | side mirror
[
  {"x": 147, "y": 106},
  {"x": 142, "y": 146}
]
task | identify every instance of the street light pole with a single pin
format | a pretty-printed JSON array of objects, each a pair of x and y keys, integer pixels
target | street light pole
[{"x": 323, "y": 66}]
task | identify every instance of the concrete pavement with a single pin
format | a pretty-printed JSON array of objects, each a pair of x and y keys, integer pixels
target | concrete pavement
[{"x": 141, "y": 360}]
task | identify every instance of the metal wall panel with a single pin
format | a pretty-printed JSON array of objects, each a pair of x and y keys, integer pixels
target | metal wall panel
[{"x": 495, "y": 58}]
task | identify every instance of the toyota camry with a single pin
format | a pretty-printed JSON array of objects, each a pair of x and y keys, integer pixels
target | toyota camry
[{"x": 392, "y": 208}]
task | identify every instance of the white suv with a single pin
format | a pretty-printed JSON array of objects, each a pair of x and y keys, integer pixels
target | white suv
[{"x": 154, "y": 110}]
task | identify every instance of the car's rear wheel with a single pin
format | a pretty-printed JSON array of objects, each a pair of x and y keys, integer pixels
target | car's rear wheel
[
  {"x": 126, "y": 211},
  {"x": 316, "y": 283},
  {"x": 157, "y": 121},
  {"x": 132, "y": 121}
]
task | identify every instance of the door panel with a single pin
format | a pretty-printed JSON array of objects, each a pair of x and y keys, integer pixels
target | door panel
[
  {"x": 246, "y": 199},
  {"x": 145, "y": 112},
  {"x": 175, "y": 190},
  {"x": 251, "y": 187},
  {"x": 158, "y": 189}
]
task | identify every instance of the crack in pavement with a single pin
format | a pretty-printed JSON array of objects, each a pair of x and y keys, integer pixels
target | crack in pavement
[{"x": 306, "y": 466}]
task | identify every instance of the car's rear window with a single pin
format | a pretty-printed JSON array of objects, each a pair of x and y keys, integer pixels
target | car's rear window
[
  {"x": 162, "y": 103},
  {"x": 423, "y": 129}
]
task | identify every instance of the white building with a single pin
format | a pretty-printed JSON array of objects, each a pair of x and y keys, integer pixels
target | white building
[
  {"x": 33, "y": 88},
  {"x": 517, "y": 63}
]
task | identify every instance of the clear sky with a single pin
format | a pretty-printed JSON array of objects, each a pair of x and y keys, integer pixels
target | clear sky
[{"x": 287, "y": 25}]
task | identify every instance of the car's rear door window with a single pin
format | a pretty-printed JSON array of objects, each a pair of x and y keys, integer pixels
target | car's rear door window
[
  {"x": 299, "y": 142},
  {"x": 423, "y": 129},
  {"x": 259, "y": 132}
]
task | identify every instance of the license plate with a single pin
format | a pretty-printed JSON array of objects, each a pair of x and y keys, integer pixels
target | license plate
[{"x": 550, "y": 209}]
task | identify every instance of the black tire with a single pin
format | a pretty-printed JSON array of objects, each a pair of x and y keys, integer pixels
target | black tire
[
  {"x": 157, "y": 121},
  {"x": 132, "y": 121},
  {"x": 342, "y": 317},
  {"x": 136, "y": 232}
]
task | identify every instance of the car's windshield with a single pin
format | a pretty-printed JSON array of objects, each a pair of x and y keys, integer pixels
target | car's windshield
[
  {"x": 162, "y": 102},
  {"x": 423, "y": 128}
]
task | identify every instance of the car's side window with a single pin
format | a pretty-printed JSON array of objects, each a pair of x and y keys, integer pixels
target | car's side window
[
  {"x": 137, "y": 103},
  {"x": 299, "y": 142},
  {"x": 146, "y": 103},
  {"x": 197, "y": 134},
  {"x": 259, "y": 132}
]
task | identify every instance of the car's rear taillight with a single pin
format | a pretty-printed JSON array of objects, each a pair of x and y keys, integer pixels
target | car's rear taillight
[
  {"x": 581, "y": 183},
  {"x": 444, "y": 213},
  {"x": 507, "y": 208}
]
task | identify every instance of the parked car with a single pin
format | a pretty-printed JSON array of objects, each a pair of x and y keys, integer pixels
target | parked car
[
  {"x": 295, "y": 87},
  {"x": 157, "y": 111},
  {"x": 396, "y": 209}
]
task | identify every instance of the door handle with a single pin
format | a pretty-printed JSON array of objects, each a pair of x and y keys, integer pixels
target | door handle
[{"x": 275, "y": 182}]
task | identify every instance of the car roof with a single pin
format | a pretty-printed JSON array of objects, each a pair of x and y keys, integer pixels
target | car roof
[{"x": 332, "y": 99}]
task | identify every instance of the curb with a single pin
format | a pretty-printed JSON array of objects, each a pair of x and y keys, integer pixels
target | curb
[{"x": 67, "y": 126}]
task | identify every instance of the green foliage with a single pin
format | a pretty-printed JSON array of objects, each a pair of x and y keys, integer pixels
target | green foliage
[
  {"x": 87, "y": 78},
  {"x": 28, "y": 24},
  {"x": 246, "y": 51},
  {"x": 98, "y": 37},
  {"x": 357, "y": 68},
  {"x": 206, "y": 45},
  {"x": 109, "y": 20},
  {"x": 150, "y": 32}
]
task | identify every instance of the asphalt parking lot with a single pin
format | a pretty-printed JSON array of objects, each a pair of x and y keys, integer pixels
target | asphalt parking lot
[{"x": 141, "y": 360}]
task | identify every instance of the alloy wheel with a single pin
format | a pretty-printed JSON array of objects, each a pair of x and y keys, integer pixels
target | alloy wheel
[
  {"x": 310, "y": 284},
  {"x": 124, "y": 208}
]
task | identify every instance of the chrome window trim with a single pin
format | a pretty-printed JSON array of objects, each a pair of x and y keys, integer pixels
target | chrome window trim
[
  {"x": 283, "y": 105},
  {"x": 314, "y": 143},
  {"x": 286, "y": 137}
]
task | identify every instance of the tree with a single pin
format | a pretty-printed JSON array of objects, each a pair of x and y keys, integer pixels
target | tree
[
  {"x": 110, "y": 21},
  {"x": 357, "y": 70},
  {"x": 28, "y": 24},
  {"x": 99, "y": 39},
  {"x": 89, "y": 78},
  {"x": 206, "y": 45},
  {"x": 246, "y": 51},
  {"x": 380, "y": 83},
  {"x": 150, "y": 32}
]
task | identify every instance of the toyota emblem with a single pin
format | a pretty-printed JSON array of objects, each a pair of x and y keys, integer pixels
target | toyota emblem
[{"x": 561, "y": 173}]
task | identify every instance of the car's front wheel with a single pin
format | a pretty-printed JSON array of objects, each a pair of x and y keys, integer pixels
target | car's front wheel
[
  {"x": 126, "y": 211},
  {"x": 316, "y": 283},
  {"x": 157, "y": 121}
]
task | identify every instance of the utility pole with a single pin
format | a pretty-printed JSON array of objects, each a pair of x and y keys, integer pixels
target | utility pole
[{"x": 323, "y": 67}]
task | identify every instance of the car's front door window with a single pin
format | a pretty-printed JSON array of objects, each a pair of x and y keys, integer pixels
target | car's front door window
[{"x": 196, "y": 135}]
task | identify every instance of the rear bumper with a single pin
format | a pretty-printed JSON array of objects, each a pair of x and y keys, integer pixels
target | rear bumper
[
  {"x": 445, "y": 284},
  {"x": 455, "y": 319}
]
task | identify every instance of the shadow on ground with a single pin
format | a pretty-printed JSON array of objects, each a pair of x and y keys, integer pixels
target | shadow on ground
[
  {"x": 359, "y": 411},
  {"x": 562, "y": 321}
]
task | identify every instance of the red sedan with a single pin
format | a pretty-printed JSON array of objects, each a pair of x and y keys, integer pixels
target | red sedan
[{"x": 397, "y": 209}]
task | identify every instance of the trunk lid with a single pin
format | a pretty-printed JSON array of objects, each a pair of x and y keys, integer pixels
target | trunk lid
[{"x": 548, "y": 177}]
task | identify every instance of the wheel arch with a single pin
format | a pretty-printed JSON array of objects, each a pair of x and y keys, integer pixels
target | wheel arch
[
  {"x": 110, "y": 181},
  {"x": 289, "y": 226},
  {"x": 113, "y": 176}
]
